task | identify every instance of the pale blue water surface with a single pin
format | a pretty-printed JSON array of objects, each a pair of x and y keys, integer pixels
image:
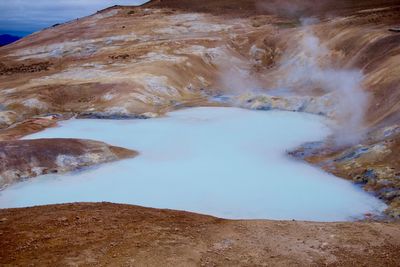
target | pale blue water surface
[{"x": 227, "y": 162}]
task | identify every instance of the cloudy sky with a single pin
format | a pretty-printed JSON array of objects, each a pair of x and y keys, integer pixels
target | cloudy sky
[{"x": 21, "y": 17}]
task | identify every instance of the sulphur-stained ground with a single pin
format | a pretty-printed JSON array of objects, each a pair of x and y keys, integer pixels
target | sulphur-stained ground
[
  {"x": 338, "y": 59},
  {"x": 106, "y": 234}
]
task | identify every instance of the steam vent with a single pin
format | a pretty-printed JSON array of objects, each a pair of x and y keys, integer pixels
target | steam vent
[{"x": 201, "y": 133}]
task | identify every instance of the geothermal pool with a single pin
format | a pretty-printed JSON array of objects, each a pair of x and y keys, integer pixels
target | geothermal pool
[{"x": 227, "y": 162}]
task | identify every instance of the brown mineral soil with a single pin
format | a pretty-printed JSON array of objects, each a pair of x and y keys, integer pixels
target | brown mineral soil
[
  {"x": 141, "y": 62},
  {"x": 22, "y": 159},
  {"x": 106, "y": 234},
  {"x": 29, "y": 126}
]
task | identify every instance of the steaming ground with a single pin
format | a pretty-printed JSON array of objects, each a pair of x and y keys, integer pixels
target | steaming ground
[
  {"x": 307, "y": 67},
  {"x": 311, "y": 66},
  {"x": 226, "y": 162},
  {"x": 146, "y": 61}
]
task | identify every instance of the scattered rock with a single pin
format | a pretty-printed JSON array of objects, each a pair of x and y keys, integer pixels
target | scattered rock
[
  {"x": 36, "y": 67},
  {"x": 315, "y": 105},
  {"x": 116, "y": 116}
]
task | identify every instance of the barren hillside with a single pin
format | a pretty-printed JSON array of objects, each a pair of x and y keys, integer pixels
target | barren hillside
[{"x": 338, "y": 59}]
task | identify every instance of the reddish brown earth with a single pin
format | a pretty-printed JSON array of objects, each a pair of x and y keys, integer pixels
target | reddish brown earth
[
  {"x": 141, "y": 62},
  {"x": 29, "y": 126},
  {"x": 120, "y": 235},
  {"x": 22, "y": 159}
]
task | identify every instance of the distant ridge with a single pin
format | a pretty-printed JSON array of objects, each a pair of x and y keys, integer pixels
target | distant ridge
[
  {"x": 6, "y": 39},
  {"x": 280, "y": 7}
]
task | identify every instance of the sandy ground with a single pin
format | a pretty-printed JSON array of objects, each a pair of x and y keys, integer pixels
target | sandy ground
[{"x": 120, "y": 235}]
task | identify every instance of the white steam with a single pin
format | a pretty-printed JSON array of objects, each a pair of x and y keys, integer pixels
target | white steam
[
  {"x": 310, "y": 67},
  {"x": 238, "y": 77},
  {"x": 307, "y": 68}
]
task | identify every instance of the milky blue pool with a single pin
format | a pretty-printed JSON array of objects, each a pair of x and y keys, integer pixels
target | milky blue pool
[{"x": 226, "y": 162}]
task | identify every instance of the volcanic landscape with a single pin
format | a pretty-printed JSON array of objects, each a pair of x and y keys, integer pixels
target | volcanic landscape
[{"x": 204, "y": 133}]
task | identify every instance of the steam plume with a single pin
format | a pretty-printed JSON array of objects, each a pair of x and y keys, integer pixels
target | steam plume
[{"x": 310, "y": 66}]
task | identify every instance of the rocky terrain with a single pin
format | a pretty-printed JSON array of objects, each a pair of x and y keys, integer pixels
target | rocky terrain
[{"x": 338, "y": 60}]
